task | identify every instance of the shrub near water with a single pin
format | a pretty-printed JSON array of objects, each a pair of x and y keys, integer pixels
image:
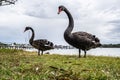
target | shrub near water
[{"x": 21, "y": 65}]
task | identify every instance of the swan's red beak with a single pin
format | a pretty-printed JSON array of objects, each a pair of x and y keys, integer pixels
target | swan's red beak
[{"x": 59, "y": 10}]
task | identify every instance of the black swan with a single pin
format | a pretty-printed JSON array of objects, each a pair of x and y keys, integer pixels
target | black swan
[
  {"x": 80, "y": 40},
  {"x": 41, "y": 44}
]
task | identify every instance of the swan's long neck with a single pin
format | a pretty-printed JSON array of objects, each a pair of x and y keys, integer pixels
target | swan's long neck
[
  {"x": 71, "y": 23},
  {"x": 32, "y": 37}
]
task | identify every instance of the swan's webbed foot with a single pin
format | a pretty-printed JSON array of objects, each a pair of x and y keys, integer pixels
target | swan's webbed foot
[
  {"x": 84, "y": 53},
  {"x": 79, "y": 53},
  {"x": 38, "y": 52},
  {"x": 42, "y": 53}
]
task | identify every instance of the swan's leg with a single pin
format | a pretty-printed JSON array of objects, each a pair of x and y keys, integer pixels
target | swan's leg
[
  {"x": 38, "y": 52},
  {"x": 85, "y": 53},
  {"x": 79, "y": 53},
  {"x": 42, "y": 53}
]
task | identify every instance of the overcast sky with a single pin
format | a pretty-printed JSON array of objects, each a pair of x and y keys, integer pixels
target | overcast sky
[{"x": 98, "y": 17}]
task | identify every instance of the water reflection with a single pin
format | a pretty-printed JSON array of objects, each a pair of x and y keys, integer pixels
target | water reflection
[{"x": 115, "y": 52}]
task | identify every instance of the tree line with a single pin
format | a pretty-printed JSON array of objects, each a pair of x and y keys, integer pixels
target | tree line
[
  {"x": 66, "y": 47},
  {"x": 111, "y": 45}
]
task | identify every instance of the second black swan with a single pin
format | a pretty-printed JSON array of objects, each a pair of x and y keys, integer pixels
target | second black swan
[{"x": 41, "y": 44}]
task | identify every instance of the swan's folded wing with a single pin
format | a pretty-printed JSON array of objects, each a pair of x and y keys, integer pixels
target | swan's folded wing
[
  {"x": 84, "y": 36},
  {"x": 43, "y": 42},
  {"x": 86, "y": 39}
]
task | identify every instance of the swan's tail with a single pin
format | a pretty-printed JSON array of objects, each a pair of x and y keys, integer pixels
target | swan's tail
[{"x": 97, "y": 45}]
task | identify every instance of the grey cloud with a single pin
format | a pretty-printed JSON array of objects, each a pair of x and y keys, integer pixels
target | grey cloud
[
  {"x": 116, "y": 24},
  {"x": 114, "y": 33},
  {"x": 115, "y": 21},
  {"x": 10, "y": 34}
]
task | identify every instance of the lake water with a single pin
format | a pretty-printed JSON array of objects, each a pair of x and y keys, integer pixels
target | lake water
[{"x": 115, "y": 52}]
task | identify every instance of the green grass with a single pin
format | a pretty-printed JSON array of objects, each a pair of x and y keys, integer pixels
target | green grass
[{"x": 21, "y": 65}]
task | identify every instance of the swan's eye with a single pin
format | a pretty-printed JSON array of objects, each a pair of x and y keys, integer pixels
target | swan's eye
[{"x": 60, "y": 9}]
